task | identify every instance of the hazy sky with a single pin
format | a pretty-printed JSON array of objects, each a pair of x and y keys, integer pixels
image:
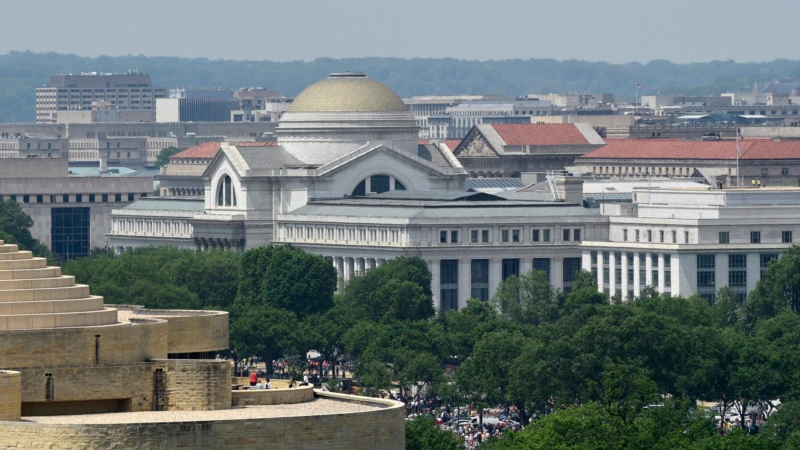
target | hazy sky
[{"x": 604, "y": 30}]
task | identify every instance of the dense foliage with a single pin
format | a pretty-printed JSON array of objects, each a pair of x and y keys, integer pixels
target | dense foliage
[
  {"x": 15, "y": 229},
  {"x": 163, "y": 156},
  {"x": 610, "y": 376},
  {"x": 22, "y": 72}
]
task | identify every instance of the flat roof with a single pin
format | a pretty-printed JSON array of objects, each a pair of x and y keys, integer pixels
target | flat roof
[{"x": 167, "y": 204}]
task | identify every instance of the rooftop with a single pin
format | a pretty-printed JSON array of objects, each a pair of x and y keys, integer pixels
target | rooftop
[
  {"x": 347, "y": 92},
  {"x": 695, "y": 150},
  {"x": 207, "y": 150},
  {"x": 167, "y": 204},
  {"x": 541, "y": 134}
]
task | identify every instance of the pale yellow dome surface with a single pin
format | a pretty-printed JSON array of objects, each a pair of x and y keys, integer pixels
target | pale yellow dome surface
[{"x": 347, "y": 92}]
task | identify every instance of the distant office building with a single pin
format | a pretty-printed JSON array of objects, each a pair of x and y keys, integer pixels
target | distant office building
[
  {"x": 70, "y": 213},
  {"x": 88, "y": 91},
  {"x": 661, "y": 101},
  {"x": 190, "y": 92},
  {"x": 195, "y": 109},
  {"x": 575, "y": 100}
]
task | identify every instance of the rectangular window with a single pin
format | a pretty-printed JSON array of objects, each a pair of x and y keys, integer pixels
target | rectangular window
[
  {"x": 576, "y": 234},
  {"x": 764, "y": 172},
  {"x": 510, "y": 267},
  {"x": 625, "y": 235},
  {"x": 542, "y": 264},
  {"x": 473, "y": 236},
  {"x": 443, "y": 236},
  {"x": 786, "y": 237},
  {"x": 104, "y": 198},
  {"x": 661, "y": 235},
  {"x": 504, "y": 236},
  {"x": 637, "y": 235},
  {"x": 649, "y": 235},
  {"x": 117, "y": 197},
  {"x": 546, "y": 235},
  {"x": 705, "y": 261},
  {"x": 65, "y": 198},
  {"x": 737, "y": 279},
  {"x": 514, "y": 235},
  {"x": 755, "y": 237},
  {"x": 737, "y": 261},
  {"x": 91, "y": 198},
  {"x": 39, "y": 199},
  {"x": 484, "y": 235},
  {"x": 765, "y": 259},
  {"x": 674, "y": 237},
  {"x": 705, "y": 279},
  {"x": 480, "y": 279},
  {"x": 535, "y": 236},
  {"x": 131, "y": 197},
  {"x": 724, "y": 237},
  {"x": 79, "y": 198},
  {"x": 686, "y": 237},
  {"x": 69, "y": 232},
  {"x": 785, "y": 171},
  {"x": 448, "y": 281},
  {"x": 565, "y": 233},
  {"x": 454, "y": 237},
  {"x": 571, "y": 268}
]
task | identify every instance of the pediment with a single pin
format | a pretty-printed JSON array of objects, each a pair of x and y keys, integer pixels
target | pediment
[{"x": 476, "y": 146}]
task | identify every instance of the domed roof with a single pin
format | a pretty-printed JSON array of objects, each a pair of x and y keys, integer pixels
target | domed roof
[{"x": 347, "y": 92}]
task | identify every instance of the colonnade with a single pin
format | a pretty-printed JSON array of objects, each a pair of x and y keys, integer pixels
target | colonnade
[
  {"x": 348, "y": 267},
  {"x": 184, "y": 192},
  {"x": 204, "y": 244}
]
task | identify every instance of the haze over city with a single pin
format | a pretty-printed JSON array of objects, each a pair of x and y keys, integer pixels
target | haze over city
[{"x": 614, "y": 31}]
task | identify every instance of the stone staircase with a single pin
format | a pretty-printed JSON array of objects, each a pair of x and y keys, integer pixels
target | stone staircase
[{"x": 34, "y": 295}]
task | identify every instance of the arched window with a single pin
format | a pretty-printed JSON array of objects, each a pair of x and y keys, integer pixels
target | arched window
[
  {"x": 226, "y": 196},
  {"x": 377, "y": 184}
]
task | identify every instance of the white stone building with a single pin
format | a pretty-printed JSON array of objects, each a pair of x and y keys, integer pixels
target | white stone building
[{"x": 687, "y": 241}]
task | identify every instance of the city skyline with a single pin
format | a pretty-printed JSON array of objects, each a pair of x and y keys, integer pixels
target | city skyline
[{"x": 616, "y": 32}]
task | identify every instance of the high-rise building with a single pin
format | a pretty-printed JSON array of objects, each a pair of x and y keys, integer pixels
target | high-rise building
[{"x": 132, "y": 91}]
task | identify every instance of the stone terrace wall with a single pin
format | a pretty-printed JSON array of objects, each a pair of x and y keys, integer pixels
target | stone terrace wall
[
  {"x": 378, "y": 429},
  {"x": 10, "y": 395},
  {"x": 197, "y": 384},
  {"x": 273, "y": 396}
]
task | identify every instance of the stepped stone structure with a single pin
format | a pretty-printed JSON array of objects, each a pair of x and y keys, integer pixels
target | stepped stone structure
[{"x": 75, "y": 373}]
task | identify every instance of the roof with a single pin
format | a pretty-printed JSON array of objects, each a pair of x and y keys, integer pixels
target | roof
[
  {"x": 272, "y": 157},
  {"x": 541, "y": 134},
  {"x": 695, "y": 150},
  {"x": 492, "y": 185},
  {"x": 347, "y": 92},
  {"x": 206, "y": 150},
  {"x": 167, "y": 204},
  {"x": 452, "y": 143},
  {"x": 447, "y": 195}
]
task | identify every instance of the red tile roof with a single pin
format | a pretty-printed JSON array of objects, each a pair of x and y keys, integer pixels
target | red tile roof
[
  {"x": 452, "y": 143},
  {"x": 540, "y": 134},
  {"x": 423, "y": 141},
  {"x": 693, "y": 150},
  {"x": 207, "y": 150}
]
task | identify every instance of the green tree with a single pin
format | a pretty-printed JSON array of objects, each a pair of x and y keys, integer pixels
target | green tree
[
  {"x": 399, "y": 289},
  {"x": 163, "y": 156},
  {"x": 527, "y": 299},
  {"x": 269, "y": 333},
  {"x": 286, "y": 277},
  {"x": 15, "y": 229},
  {"x": 423, "y": 434}
]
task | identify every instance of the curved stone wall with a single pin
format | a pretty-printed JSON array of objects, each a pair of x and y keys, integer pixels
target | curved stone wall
[
  {"x": 189, "y": 331},
  {"x": 382, "y": 428},
  {"x": 282, "y": 396},
  {"x": 10, "y": 395}
]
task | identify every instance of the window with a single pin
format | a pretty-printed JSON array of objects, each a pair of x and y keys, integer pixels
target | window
[
  {"x": 360, "y": 190},
  {"x": 674, "y": 237},
  {"x": 69, "y": 231},
  {"x": 765, "y": 259},
  {"x": 705, "y": 280},
  {"x": 117, "y": 197},
  {"x": 131, "y": 197},
  {"x": 39, "y": 199},
  {"x": 443, "y": 236},
  {"x": 473, "y": 236},
  {"x": 52, "y": 198},
  {"x": 625, "y": 235},
  {"x": 91, "y": 198},
  {"x": 398, "y": 186},
  {"x": 686, "y": 237},
  {"x": 576, "y": 234},
  {"x": 504, "y": 235},
  {"x": 649, "y": 235},
  {"x": 571, "y": 268},
  {"x": 706, "y": 277},
  {"x": 755, "y": 237},
  {"x": 379, "y": 183},
  {"x": 786, "y": 237},
  {"x": 724, "y": 237},
  {"x": 104, "y": 198},
  {"x": 484, "y": 235},
  {"x": 535, "y": 236},
  {"x": 480, "y": 279},
  {"x": 661, "y": 236},
  {"x": 226, "y": 195},
  {"x": 26, "y": 198},
  {"x": 542, "y": 264},
  {"x": 448, "y": 277},
  {"x": 546, "y": 235},
  {"x": 65, "y": 198},
  {"x": 565, "y": 234},
  {"x": 514, "y": 235},
  {"x": 637, "y": 235},
  {"x": 510, "y": 267},
  {"x": 667, "y": 271},
  {"x": 764, "y": 172},
  {"x": 79, "y": 198},
  {"x": 454, "y": 237},
  {"x": 784, "y": 171}
]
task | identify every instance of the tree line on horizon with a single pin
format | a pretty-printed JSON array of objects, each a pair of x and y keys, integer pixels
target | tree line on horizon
[{"x": 22, "y": 72}]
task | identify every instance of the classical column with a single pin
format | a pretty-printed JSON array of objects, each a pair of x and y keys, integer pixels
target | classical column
[
  {"x": 625, "y": 280},
  {"x": 637, "y": 282},
  {"x": 648, "y": 269},
  {"x": 370, "y": 263},
  {"x": 612, "y": 273},
  {"x": 525, "y": 265},
  {"x": 435, "y": 282},
  {"x": 381, "y": 261},
  {"x": 464, "y": 286},
  {"x": 360, "y": 266},
  {"x": 557, "y": 272},
  {"x": 495, "y": 275},
  {"x": 661, "y": 271},
  {"x": 601, "y": 281},
  {"x": 348, "y": 268}
]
